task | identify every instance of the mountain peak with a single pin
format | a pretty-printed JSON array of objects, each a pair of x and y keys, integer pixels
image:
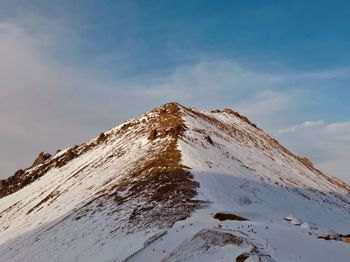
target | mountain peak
[
  {"x": 168, "y": 121},
  {"x": 170, "y": 183}
]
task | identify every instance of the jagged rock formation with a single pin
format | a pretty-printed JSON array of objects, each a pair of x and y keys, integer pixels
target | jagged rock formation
[{"x": 42, "y": 157}]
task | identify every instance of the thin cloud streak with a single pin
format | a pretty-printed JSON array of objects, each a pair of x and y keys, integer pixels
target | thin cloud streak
[
  {"x": 304, "y": 125},
  {"x": 327, "y": 144}
]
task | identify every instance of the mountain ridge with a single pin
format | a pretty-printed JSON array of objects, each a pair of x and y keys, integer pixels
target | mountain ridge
[
  {"x": 72, "y": 152},
  {"x": 171, "y": 167}
]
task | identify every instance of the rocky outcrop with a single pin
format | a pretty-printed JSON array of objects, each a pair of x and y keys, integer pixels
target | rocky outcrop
[
  {"x": 153, "y": 134},
  {"x": 101, "y": 138},
  {"x": 230, "y": 111},
  {"x": 307, "y": 162},
  {"x": 9, "y": 185},
  {"x": 209, "y": 140},
  {"x": 42, "y": 164},
  {"x": 41, "y": 158}
]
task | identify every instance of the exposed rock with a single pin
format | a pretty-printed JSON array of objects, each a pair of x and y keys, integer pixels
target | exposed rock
[
  {"x": 19, "y": 172},
  {"x": 176, "y": 131},
  {"x": 229, "y": 216},
  {"x": 42, "y": 157},
  {"x": 70, "y": 155},
  {"x": 306, "y": 161},
  {"x": 153, "y": 134},
  {"x": 254, "y": 255},
  {"x": 249, "y": 257},
  {"x": 230, "y": 111},
  {"x": 329, "y": 235},
  {"x": 9, "y": 185},
  {"x": 209, "y": 140},
  {"x": 101, "y": 138},
  {"x": 165, "y": 186},
  {"x": 242, "y": 257},
  {"x": 42, "y": 164}
]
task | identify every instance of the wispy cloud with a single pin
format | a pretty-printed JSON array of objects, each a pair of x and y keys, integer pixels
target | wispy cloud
[
  {"x": 43, "y": 105},
  {"x": 302, "y": 126},
  {"x": 328, "y": 144}
]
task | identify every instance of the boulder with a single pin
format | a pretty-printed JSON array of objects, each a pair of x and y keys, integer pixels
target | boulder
[{"x": 153, "y": 135}]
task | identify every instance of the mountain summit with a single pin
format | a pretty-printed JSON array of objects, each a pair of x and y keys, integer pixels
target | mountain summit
[{"x": 175, "y": 184}]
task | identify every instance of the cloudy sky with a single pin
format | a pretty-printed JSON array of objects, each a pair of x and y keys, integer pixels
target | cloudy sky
[{"x": 71, "y": 69}]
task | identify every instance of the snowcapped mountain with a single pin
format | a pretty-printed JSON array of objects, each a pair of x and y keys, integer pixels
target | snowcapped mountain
[{"x": 175, "y": 184}]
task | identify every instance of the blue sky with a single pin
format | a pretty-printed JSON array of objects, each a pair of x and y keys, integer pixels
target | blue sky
[
  {"x": 302, "y": 34},
  {"x": 70, "y": 69}
]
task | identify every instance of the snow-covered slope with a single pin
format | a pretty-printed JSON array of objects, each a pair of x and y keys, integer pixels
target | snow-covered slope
[{"x": 158, "y": 187}]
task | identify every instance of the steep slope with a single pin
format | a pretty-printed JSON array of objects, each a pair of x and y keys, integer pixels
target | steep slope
[
  {"x": 240, "y": 150},
  {"x": 148, "y": 190}
]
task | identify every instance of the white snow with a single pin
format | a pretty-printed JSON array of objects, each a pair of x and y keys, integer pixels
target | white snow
[{"x": 274, "y": 185}]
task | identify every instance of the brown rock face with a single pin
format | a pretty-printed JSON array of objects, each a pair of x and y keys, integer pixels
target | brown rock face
[
  {"x": 176, "y": 131},
  {"x": 153, "y": 135},
  {"x": 42, "y": 157},
  {"x": 101, "y": 138},
  {"x": 306, "y": 161},
  {"x": 228, "y": 216},
  {"x": 161, "y": 179},
  {"x": 8, "y": 186},
  {"x": 209, "y": 140}
]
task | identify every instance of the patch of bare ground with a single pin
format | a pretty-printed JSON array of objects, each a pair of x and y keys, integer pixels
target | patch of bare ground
[
  {"x": 161, "y": 188},
  {"x": 44, "y": 200},
  {"x": 229, "y": 216}
]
